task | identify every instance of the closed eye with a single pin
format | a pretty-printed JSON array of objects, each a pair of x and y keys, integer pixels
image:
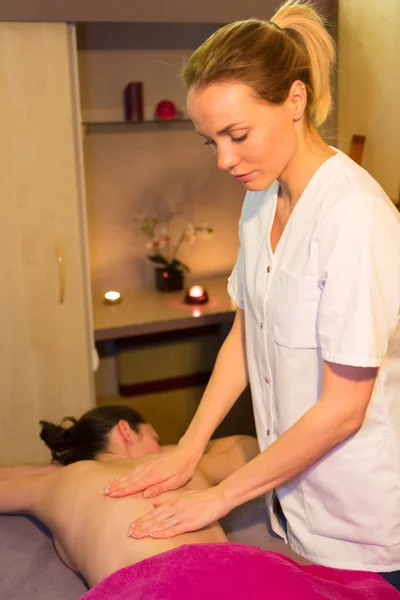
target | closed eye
[
  {"x": 236, "y": 140},
  {"x": 239, "y": 139}
]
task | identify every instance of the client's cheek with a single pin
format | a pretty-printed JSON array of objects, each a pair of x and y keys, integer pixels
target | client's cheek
[{"x": 153, "y": 448}]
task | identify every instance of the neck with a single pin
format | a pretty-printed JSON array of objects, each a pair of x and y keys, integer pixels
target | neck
[
  {"x": 310, "y": 153},
  {"x": 106, "y": 456}
]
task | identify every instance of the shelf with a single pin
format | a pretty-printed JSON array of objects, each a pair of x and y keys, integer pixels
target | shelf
[{"x": 153, "y": 124}]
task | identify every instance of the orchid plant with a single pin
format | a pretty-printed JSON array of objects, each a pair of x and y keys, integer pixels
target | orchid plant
[{"x": 163, "y": 251}]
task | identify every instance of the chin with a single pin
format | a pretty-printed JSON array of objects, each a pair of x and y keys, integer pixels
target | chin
[
  {"x": 258, "y": 184},
  {"x": 255, "y": 186}
]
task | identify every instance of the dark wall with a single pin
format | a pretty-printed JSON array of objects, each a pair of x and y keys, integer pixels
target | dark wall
[{"x": 179, "y": 11}]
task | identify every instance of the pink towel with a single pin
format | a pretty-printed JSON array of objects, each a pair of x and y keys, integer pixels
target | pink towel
[{"x": 236, "y": 572}]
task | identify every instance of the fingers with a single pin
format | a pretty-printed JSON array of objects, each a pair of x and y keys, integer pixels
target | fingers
[
  {"x": 123, "y": 488},
  {"x": 170, "y": 532},
  {"x": 155, "y": 490},
  {"x": 164, "y": 516},
  {"x": 157, "y": 475},
  {"x": 167, "y": 527},
  {"x": 174, "y": 517},
  {"x": 163, "y": 511},
  {"x": 159, "y": 531},
  {"x": 137, "y": 481}
]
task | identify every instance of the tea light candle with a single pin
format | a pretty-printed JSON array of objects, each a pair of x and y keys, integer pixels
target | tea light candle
[
  {"x": 196, "y": 295},
  {"x": 112, "y": 297}
]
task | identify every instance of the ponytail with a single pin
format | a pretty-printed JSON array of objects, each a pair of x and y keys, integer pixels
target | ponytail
[{"x": 300, "y": 17}]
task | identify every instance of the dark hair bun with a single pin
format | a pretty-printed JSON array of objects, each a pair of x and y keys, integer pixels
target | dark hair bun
[{"x": 58, "y": 439}]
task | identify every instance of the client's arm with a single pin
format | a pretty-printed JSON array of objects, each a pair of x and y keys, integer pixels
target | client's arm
[
  {"x": 15, "y": 472},
  {"x": 225, "y": 455},
  {"x": 22, "y": 494}
]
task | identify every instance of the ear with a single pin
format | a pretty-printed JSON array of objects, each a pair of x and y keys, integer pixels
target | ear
[
  {"x": 298, "y": 100},
  {"x": 127, "y": 434}
]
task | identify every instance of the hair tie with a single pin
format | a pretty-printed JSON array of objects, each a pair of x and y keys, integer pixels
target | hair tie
[
  {"x": 277, "y": 26},
  {"x": 71, "y": 420}
]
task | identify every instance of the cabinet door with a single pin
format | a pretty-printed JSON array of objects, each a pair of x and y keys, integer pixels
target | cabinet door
[{"x": 45, "y": 321}]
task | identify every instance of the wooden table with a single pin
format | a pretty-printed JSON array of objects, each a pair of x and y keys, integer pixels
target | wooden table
[
  {"x": 150, "y": 311},
  {"x": 146, "y": 312}
]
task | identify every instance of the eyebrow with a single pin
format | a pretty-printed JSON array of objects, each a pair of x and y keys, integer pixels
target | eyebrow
[{"x": 224, "y": 130}]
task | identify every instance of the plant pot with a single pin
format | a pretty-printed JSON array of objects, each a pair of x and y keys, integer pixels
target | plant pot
[{"x": 169, "y": 280}]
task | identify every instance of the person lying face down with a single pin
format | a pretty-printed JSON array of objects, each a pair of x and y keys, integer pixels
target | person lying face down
[{"x": 90, "y": 528}]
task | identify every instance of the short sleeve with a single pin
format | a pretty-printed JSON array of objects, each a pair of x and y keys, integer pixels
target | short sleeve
[
  {"x": 235, "y": 281},
  {"x": 359, "y": 266}
]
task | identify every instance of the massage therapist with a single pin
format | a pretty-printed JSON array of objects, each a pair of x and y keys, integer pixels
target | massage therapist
[{"x": 316, "y": 334}]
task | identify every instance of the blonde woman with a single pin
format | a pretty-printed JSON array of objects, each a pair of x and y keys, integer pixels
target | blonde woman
[{"x": 317, "y": 285}]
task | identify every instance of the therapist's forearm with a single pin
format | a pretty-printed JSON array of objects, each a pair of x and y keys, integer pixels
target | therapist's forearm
[
  {"x": 314, "y": 435},
  {"x": 228, "y": 380}
]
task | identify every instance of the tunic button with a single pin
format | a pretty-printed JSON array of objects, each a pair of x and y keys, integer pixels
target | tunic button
[
  {"x": 267, "y": 380},
  {"x": 261, "y": 325},
  {"x": 268, "y": 269},
  {"x": 268, "y": 432}
]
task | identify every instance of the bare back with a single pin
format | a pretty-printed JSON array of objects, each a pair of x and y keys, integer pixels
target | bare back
[{"x": 90, "y": 529}]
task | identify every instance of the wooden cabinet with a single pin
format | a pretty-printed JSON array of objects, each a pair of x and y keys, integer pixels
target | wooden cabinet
[{"x": 45, "y": 316}]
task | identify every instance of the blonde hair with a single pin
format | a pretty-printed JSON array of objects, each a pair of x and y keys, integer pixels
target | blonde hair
[{"x": 269, "y": 56}]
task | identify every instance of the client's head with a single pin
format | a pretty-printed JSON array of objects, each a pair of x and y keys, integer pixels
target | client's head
[{"x": 118, "y": 430}]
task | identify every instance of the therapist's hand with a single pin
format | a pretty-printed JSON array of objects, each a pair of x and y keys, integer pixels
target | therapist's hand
[
  {"x": 190, "y": 512},
  {"x": 160, "y": 473}
]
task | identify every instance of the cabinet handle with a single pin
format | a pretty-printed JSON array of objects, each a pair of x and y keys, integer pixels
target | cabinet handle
[{"x": 61, "y": 270}]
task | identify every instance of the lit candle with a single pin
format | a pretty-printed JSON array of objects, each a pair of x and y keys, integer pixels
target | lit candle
[
  {"x": 112, "y": 297},
  {"x": 196, "y": 291},
  {"x": 196, "y": 295}
]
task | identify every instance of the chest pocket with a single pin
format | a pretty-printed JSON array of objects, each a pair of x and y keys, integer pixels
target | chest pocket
[{"x": 296, "y": 302}]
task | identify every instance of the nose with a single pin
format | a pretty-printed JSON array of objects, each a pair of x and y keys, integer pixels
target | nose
[{"x": 226, "y": 158}]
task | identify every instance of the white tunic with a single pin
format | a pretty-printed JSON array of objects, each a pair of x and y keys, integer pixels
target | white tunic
[{"x": 331, "y": 291}]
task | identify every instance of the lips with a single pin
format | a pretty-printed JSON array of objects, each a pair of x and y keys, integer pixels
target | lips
[{"x": 244, "y": 176}]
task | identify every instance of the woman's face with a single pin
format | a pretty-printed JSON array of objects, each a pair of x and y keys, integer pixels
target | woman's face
[{"x": 252, "y": 139}]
